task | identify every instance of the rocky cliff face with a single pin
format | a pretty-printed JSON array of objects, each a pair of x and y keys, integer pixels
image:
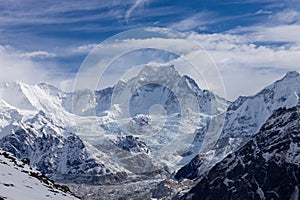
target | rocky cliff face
[
  {"x": 51, "y": 149},
  {"x": 246, "y": 115},
  {"x": 266, "y": 167},
  {"x": 244, "y": 118}
]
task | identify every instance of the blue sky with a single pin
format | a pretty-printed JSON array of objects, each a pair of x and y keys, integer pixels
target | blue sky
[{"x": 250, "y": 38}]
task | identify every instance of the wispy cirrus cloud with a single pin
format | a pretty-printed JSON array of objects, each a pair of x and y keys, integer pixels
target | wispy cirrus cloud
[
  {"x": 197, "y": 20},
  {"x": 136, "y": 4},
  {"x": 56, "y": 12}
]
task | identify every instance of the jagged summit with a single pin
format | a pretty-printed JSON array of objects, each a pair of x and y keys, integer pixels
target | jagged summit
[
  {"x": 161, "y": 74},
  {"x": 157, "y": 68},
  {"x": 244, "y": 111},
  {"x": 292, "y": 78},
  {"x": 266, "y": 167},
  {"x": 164, "y": 85},
  {"x": 246, "y": 115},
  {"x": 292, "y": 74}
]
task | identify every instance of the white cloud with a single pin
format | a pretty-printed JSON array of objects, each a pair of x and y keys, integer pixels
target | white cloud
[
  {"x": 137, "y": 4},
  {"x": 245, "y": 67},
  {"x": 263, "y": 12},
  {"x": 84, "y": 48},
  {"x": 197, "y": 20},
  {"x": 283, "y": 33},
  {"x": 263, "y": 33},
  {"x": 37, "y": 54},
  {"x": 287, "y": 16},
  {"x": 14, "y": 66},
  {"x": 109, "y": 52}
]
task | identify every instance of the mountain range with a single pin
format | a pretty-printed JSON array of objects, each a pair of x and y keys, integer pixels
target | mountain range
[{"x": 153, "y": 130}]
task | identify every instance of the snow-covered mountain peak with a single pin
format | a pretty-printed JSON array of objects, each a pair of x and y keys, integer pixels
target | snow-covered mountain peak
[
  {"x": 246, "y": 115},
  {"x": 161, "y": 74},
  {"x": 156, "y": 67},
  {"x": 192, "y": 83},
  {"x": 282, "y": 93},
  {"x": 51, "y": 90},
  {"x": 15, "y": 93},
  {"x": 162, "y": 85},
  {"x": 290, "y": 79},
  {"x": 292, "y": 74}
]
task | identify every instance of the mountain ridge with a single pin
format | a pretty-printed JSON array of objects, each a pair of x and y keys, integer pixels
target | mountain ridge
[
  {"x": 266, "y": 167},
  {"x": 245, "y": 116}
]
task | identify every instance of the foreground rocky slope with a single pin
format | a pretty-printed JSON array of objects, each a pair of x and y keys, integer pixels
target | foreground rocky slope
[{"x": 19, "y": 181}]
